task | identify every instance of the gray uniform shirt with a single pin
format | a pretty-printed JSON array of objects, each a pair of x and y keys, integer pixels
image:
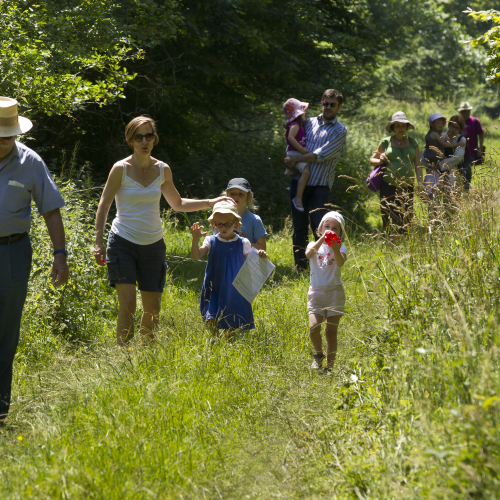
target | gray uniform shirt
[{"x": 23, "y": 176}]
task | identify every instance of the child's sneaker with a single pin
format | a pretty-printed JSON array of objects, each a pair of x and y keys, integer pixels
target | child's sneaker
[
  {"x": 298, "y": 207},
  {"x": 318, "y": 361}
]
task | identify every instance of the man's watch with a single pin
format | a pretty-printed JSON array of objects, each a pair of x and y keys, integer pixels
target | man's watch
[{"x": 62, "y": 250}]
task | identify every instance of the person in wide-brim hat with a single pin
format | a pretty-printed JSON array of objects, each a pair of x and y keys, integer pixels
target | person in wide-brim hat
[
  {"x": 465, "y": 106},
  {"x": 10, "y": 122},
  {"x": 399, "y": 117},
  {"x": 225, "y": 207}
]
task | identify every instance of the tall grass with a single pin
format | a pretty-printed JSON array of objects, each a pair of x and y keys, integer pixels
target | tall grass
[{"x": 411, "y": 411}]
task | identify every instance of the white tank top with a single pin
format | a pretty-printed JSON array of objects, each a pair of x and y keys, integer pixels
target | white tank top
[{"x": 138, "y": 210}]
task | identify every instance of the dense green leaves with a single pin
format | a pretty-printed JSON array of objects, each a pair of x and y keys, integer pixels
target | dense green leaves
[
  {"x": 59, "y": 56},
  {"x": 492, "y": 39}
]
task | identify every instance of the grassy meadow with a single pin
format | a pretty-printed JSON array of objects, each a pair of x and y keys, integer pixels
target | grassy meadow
[{"x": 411, "y": 411}]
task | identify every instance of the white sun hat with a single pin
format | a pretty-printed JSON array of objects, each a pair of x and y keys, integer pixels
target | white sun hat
[
  {"x": 332, "y": 215},
  {"x": 399, "y": 116},
  {"x": 465, "y": 106},
  {"x": 225, "y": 207},
  {"x": 10, "y": 122}
]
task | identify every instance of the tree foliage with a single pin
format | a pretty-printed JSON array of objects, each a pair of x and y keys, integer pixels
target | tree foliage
[
  {"x": 492, "y": 39},
  {"x": 422, "y": 53},
  {"x": 59, "y": 56}
]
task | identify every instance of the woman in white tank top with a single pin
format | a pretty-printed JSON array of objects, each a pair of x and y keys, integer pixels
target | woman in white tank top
[{"x": 136, "y": 251}]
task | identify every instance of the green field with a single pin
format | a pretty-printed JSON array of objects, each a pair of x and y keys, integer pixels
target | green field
[{"x": 411, "y": 411}]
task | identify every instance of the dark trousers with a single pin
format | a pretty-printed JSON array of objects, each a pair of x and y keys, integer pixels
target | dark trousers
[
  {"x": 15, "y": 267},
  {"x": 466, "y": 171},
  {"x": 396, "y": 205},
  {"x": 314, "y": 200}
]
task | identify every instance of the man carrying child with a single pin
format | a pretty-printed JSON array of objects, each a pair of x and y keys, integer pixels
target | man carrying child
[{"x": 325, "y": 141}]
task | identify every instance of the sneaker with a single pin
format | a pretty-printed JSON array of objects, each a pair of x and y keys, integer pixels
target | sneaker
[
  {"x": 318, "y": 361},
  {"x": 300, "y": 208},
  {"x": 328, "y": 371}
]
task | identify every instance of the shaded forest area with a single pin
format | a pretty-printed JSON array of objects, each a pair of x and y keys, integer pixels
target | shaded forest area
[{"x": 214, "y": 74}]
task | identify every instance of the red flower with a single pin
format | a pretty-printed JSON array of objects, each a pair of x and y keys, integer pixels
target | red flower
[{"x": 331, "y": 237}]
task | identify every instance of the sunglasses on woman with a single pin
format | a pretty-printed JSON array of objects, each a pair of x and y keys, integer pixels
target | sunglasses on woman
[
  {"x": 139, "y": 137},
  {"x": 220, "y": 225}
]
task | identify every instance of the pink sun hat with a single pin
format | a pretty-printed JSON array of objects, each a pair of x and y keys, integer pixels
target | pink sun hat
[{"x": 293, "y": 108}]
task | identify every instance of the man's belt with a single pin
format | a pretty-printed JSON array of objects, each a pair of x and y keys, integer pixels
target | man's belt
[{"x": 13, "y": 237}]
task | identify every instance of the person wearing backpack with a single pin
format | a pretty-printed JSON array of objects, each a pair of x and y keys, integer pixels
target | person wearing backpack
[{"x": 473, "y": 131}]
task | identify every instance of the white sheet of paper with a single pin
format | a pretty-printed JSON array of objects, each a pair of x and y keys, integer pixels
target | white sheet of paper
[{"x": 252, "y": 275}]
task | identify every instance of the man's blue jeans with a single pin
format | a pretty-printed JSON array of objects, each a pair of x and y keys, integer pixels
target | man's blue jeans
[
  {"x": 15, "y": 267},
  {"x": 314, "y": 200}
]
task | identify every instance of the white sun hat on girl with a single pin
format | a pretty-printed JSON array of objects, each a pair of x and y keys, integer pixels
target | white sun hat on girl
[
  {"x": 225, "y": 207},
  {"x": 10, "y": 122},
  {"x": 332, "y": 215}
]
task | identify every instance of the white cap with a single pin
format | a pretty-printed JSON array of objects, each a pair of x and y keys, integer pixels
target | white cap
[{"x": 332, "y": 215}]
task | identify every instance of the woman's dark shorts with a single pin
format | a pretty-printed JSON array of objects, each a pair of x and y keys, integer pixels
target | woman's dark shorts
[{"x": 130, "y": 263}]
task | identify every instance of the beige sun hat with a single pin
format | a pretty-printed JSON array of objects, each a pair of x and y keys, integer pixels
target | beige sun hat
[
  {"x": 399, "y": 116},
  {"x": 225, "y": 207},
  {"x": 10, "y": 122},
  {"x": 465, "y": 106}
]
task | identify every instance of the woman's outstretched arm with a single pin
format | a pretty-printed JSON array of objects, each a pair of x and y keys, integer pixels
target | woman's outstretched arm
[{"x": 185, "y": 204}]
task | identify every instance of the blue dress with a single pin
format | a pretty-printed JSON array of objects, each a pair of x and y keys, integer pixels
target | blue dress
[{"x": 219, "y": 299}]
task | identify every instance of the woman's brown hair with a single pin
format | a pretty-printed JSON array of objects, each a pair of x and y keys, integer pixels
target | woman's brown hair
[
  {"x": 133, "y": 125},
  {"x": 458, "y": 120}
]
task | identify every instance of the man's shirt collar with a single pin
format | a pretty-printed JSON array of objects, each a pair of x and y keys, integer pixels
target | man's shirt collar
[
  {"x": 13, "y": 153},
  {"x": 320, "y": 120}
]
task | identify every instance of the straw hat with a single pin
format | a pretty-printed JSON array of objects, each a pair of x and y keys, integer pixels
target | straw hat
[
  {"x": 10, "y": 122},
  {"x": 465, "y": 106},
  {"x": 225, "y": 207},
  {"x": 400, "y": 117}
]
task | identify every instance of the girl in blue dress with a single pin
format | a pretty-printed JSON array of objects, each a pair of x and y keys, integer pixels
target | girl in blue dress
[{"x": 221, "y": 305}]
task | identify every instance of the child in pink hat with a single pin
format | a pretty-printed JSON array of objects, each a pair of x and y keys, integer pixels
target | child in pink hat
[{"x": 295, "y": 135}]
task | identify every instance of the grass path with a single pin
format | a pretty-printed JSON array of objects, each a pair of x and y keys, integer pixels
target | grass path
[
  {"x": 187, "y": 417},
  {"x": 411, "y": 412}
]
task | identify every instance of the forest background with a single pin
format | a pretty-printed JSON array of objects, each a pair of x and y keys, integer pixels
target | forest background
[{"x": 214, "y": 75}]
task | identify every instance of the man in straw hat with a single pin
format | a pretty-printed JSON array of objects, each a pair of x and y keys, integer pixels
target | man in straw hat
[
  {"x": 23, "y": 176},
  {"x": 472, "y": 131}
]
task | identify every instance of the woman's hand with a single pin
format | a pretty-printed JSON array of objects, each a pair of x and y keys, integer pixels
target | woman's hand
[
  {"x": 383, "y": 158},
  {"x": 100, "y": 254},
  {"x": 213, "y": 201},
  {"x": 196, "y": 231},
  {"x": 262, "y": 254}
]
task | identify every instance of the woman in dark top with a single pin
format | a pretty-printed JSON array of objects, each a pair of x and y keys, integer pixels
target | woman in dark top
[{"x": 401, "y": 156}]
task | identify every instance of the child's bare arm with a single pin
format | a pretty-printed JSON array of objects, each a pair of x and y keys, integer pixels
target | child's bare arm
[
  {"x": 196, "y": 252},
  {"x": 445, "y": 144},
  {"x": 312, "y": 250},
  {"x": 339, "y": 256},
  {"x": 260, "y": 244},
  {"x": 294, "y": 142}
]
